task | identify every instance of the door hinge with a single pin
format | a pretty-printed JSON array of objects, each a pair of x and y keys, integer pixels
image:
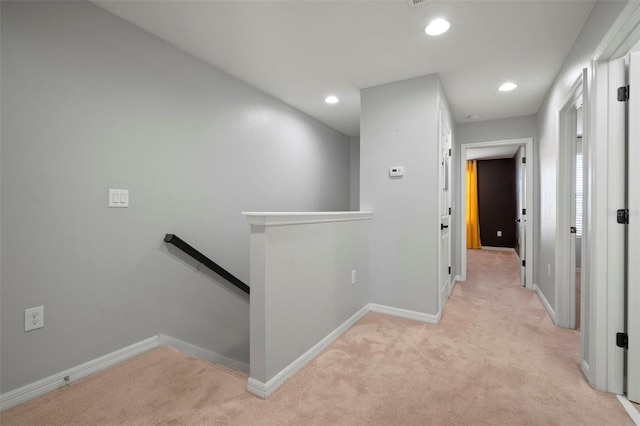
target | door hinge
[
  {"x": 622, "y": 216},
  {"x": 449, "y": 211},
  {"x": 449, "y": 152},
  {"x": 623, "y": 94},
  {"x": 524, "y": 262},
  {"x": 622, "y": 340},
  {"x": 524, "y": 160},
  {"x": 524, "y": 212},
  {"x": 574, "y": 230},
  {"x": 449, "y": 270}
]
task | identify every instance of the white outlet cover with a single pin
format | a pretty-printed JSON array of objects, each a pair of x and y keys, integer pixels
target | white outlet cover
[
  {"x": 396, "y": 171},
  {"x": 33, "y": 318}
]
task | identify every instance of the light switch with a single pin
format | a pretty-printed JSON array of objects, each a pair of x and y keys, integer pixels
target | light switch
[{"x": 118, "y": 198}]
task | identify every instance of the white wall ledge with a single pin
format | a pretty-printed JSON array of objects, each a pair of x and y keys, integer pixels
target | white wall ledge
[{"x": 300, "y": 218}]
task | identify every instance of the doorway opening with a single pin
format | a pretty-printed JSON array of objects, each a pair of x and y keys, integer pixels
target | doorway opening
[
  {"x": 521, "y": 154},
  {"x": 578, "y": 183},
  {"x": 569, "y": 212}
]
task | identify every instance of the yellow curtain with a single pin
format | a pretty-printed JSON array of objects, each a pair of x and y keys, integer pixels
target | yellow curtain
[{"x": 473, "y": 222}]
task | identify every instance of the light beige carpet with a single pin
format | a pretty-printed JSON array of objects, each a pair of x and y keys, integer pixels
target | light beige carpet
[{"x": 494, "y": 359}]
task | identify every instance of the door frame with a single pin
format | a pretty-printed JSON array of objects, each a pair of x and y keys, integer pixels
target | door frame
[
  {"x": 605, "y": 365},
  {"x": 462, "y": 202}
]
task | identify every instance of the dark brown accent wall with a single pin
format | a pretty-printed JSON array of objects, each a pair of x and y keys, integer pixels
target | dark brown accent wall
[{"x": 497, "y": 202}]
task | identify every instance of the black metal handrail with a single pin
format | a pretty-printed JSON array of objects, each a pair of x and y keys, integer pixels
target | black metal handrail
[{"x": 176, "y": 241}]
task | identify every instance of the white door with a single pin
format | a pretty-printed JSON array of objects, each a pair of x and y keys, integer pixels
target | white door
[
  {"x": 445, "y": 213},
  {"x": 521, "y": 225},
  {"x": 633, "y": 229}
]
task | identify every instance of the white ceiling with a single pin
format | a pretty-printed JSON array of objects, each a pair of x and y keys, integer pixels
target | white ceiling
[{"x": 300, "y": 51}]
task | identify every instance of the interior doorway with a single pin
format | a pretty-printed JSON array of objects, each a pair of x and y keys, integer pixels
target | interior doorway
[
  {"x": 579, "y": 189},
  {"x": 570, "y": 207},
  {"x": 578, "y": 183},
  {"x": 525, "y": 248}
]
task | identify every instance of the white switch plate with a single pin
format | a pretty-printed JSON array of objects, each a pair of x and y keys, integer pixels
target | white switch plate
[
  {"x": 396, "y": 171},
  {"x": 499, "y": 233},
  {"x": 353, "y": 277},
  {"x": 118, "y": 198},
  {"x": 33, "y": 318}
]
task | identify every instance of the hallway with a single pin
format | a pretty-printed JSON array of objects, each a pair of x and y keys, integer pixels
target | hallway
[{"x": 518, "y": 351}]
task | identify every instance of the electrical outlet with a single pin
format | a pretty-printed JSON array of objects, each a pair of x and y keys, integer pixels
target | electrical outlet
[
  {"x": 549, "y": 270},
  {"x": 499, "y": 233},
  {"x": 396, "y": 171},
  {"x": 33, "y": 318},
  {"x": 353, "y": 277}
]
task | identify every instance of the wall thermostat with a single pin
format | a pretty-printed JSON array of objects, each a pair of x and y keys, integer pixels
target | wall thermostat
[{"x": 396, "y": 171}]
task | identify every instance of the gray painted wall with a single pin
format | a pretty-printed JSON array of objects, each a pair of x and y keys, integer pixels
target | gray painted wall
[
  {"x": 302, "y": 286},
  {"x": 486, "y": 131},
  {"x": 91, "y": 102},
  {"x": 399, "y": 127},
  {"x": 496, "y": 130}
]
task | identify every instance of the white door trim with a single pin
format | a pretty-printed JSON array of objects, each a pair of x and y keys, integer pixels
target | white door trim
[{"x": 462, "y": 202}]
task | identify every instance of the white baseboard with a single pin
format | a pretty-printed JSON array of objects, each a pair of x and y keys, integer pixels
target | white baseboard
[
  {"x": 36, "y": 389},
  {"x": 202, "y": 353},
  {"x": 458, "y": 279},
  {"x": 498, "y": 248},
  {"x": 405, "y": 313},
  {"x": 631, "y": 409},
  {"x": 263, "y": 390},
  {"x": 585, "y": 367},
  {"x": 545, "y": 303}
]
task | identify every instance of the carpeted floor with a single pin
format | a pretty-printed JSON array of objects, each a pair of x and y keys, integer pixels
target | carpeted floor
[{"x": 494, "y": 359}]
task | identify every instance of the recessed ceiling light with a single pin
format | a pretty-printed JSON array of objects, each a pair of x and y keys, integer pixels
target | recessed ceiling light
[
  {"x": 437, "y": 27},
  {"x": 473, "y": 117},
  {"x": 331, "y": 99},
  {"x": 507, "y": 87}
]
